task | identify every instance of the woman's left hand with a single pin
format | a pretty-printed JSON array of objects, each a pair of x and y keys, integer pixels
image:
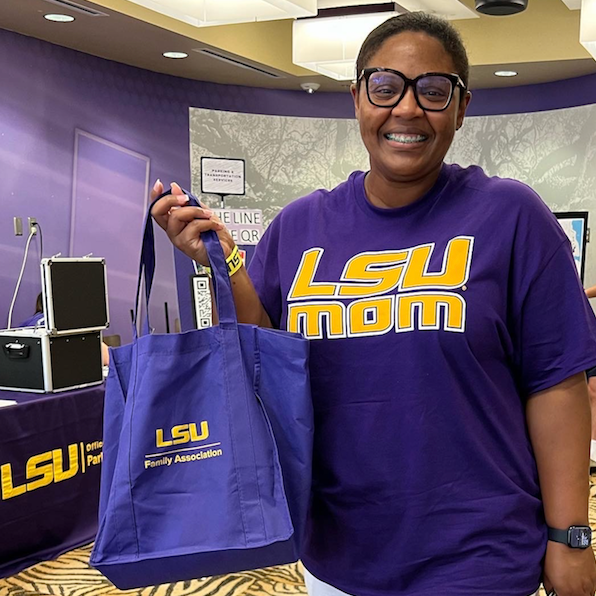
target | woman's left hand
[{"x": 569, "y": 571}]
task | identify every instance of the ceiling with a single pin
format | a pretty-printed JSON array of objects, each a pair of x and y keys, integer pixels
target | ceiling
[{"x": 542, "y": 43}]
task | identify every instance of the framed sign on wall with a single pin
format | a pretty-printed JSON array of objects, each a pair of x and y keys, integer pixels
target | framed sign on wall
[
  {"x": 575, "y": 225},
  {"x": 223, "y": 176}
]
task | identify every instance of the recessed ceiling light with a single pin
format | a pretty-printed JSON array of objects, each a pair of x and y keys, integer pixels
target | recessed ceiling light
[
  {"x": 505, "y": 73},
  {"x": 59, "y": 18},
  {"x": 175, "y": 55}
]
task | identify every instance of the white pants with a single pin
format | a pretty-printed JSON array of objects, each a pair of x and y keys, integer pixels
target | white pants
[{"x": 316, "y": 587}]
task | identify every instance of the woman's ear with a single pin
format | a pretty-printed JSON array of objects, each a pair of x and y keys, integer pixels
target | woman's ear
[
  {"x": 461, "y": 109},
  {"x": 356, "y": 98}
]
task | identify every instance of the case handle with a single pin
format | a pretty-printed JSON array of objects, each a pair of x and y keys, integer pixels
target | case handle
[{"x": 16, "y": 350}]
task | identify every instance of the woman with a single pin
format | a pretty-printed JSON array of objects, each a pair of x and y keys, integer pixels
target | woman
[
  {"x": 37, "y": 319},
  {"x": 449, "y": 339}
]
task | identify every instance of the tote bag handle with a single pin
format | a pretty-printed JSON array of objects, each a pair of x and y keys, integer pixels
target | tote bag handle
[{"x": 219, "y": 272}]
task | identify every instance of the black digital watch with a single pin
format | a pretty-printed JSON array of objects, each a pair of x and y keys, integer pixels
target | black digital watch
[{"x": 573, "y": 536}]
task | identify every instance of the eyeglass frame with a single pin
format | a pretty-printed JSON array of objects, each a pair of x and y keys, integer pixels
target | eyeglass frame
[{"x": 456, "y": 81}]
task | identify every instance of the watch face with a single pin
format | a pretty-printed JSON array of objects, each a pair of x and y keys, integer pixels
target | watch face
[{"x": 579, "y": 537}]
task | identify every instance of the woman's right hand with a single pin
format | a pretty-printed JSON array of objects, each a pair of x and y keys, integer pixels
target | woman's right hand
[{"x": 184, "y": 224}]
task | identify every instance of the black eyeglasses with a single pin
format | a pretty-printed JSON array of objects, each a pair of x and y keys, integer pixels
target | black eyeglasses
[{"x": 433, "y": 91}]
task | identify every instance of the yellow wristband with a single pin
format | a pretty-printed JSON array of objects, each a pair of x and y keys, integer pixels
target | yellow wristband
[{"x": 234, "y": 262}]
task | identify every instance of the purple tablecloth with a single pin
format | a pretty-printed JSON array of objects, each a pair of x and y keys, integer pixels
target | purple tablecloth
[{"x": 50, "y": 456}]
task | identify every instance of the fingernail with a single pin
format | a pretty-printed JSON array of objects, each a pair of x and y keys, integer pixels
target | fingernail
[
  {"x": 157, "y": 183},
  {"x": 220, "y": 226},
  {"x": 182, "y": 199}
]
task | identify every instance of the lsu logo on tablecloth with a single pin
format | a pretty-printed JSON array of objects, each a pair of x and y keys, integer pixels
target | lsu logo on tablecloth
[
  {"x": 380, "y": 291},
  {"x": 43, "y": 469}
]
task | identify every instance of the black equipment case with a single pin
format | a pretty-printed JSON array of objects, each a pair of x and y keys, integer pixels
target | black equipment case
[
  {"x": 66, "y": 352},
  {"x": 33, "y": 360}
]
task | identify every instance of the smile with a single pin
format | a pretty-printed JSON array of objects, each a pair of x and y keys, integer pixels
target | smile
[{"x": 405, "y": 138}]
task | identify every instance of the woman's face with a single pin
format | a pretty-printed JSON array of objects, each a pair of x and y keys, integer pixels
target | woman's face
[{"x": 405, "y": 143}]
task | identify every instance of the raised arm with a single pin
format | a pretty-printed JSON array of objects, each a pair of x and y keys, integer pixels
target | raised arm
[{"x": 184, "y": 226}]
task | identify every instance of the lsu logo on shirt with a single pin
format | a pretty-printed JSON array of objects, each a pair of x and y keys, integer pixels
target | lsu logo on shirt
[{"x": 380, "y": 291}]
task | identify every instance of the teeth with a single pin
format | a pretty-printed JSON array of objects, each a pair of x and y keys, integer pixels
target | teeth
[{"x": 405, "y": 138}]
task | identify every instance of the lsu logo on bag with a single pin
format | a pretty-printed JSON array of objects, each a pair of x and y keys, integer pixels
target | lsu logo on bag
[{"x": 182, "y": 434}]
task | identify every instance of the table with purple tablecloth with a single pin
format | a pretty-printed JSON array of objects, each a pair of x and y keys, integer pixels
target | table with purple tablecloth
[{"x": 50, "y": 463}]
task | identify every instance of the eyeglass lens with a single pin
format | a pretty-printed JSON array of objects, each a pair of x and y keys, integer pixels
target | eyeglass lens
[{"x": 385, "y": 88}]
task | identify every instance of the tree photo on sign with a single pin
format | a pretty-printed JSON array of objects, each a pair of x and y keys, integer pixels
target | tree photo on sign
[{"x": 553, "y": 152}]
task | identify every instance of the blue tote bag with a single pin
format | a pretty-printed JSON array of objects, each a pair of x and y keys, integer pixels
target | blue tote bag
[{"x": 207, "y": 446}]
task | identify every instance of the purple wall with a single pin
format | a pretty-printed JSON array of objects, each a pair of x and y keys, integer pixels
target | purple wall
[
  {"x": 48, "y": 92},
  {"x": 569, "y": 93}
]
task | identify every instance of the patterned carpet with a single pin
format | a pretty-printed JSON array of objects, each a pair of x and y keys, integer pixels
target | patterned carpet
[{"x": 70, "y": 575}]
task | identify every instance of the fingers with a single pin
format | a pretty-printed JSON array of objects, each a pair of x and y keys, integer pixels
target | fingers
[
  {"x": 189, "y": 240},
  {"x": 176, "y": 190},
  {"x": 156, "y": 190},
  {"x": 161, "y": 210},
  {"x": 186, "y": 215},
  {"x": 177, "y": 198},
  {"x": 186, "y": 223},
  {"x": 182, "y": 223},
  {"x": 216, "y": 219}
]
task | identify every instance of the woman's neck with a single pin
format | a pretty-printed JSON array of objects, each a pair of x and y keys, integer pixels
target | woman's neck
[{"x": 390, "y": 194}]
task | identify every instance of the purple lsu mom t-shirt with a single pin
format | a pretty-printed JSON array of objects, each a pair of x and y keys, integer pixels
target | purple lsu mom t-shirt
[{"x": 430, "y": 326}]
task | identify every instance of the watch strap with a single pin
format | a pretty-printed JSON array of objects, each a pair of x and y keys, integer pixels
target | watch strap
[
  {"x": 556, "y": 535},
  {"x": 573, "y": 536}
]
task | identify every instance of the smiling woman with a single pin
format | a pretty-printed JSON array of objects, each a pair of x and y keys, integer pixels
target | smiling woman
[
  {"x": 449, "y": 339},
  {"x": 408, "y": 124}
]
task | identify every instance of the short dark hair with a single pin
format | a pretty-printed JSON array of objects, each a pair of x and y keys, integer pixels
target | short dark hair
[{"x": 421, "y": 22}]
